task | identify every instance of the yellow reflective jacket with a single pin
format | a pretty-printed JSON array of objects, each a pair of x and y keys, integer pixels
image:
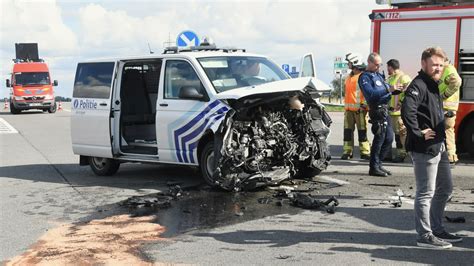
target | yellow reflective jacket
[
  {"x": 397, "y": 78},
  {"x": 449, "y": 88}
]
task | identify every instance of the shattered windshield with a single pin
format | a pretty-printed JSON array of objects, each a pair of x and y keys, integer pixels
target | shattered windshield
[
  {"x": 231, "y": 72},
  {"x": 32, "y": 78}
]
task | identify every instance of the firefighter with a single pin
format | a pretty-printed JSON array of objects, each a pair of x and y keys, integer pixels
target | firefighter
[
  {"x": 397, "y": 81},
  {"x": 449, "y": 90},
  {"x": 355, "y": 110}
]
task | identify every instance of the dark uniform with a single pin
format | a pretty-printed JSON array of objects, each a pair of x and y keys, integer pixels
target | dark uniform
[{"x": 377, "y": 95}]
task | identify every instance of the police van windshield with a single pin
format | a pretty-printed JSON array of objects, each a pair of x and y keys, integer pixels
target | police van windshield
[
  {"x": 231, "y": 72},
  {"x": 32, "y": 78}
]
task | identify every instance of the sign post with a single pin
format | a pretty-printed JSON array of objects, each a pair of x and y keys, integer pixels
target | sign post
[{"x": 340, "y": 69}]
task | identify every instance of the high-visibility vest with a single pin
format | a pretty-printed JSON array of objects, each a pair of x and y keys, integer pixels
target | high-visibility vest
[
  {"x": 452, "y": 102},
  {"x": 354, "y": 96},
  {"x": 397, "y": 78}
]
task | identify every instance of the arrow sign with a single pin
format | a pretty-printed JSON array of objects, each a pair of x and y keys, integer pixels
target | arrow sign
[{"x": 187, "y": 38}]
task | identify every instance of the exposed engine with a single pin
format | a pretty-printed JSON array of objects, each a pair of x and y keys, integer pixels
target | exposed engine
[{"x": 268, "y": 140}]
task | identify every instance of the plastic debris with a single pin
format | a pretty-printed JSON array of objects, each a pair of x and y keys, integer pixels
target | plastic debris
[{"x": 459, "y": 219}]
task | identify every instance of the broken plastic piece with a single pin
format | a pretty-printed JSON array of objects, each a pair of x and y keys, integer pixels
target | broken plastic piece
[{"x": 459, "y": 219}]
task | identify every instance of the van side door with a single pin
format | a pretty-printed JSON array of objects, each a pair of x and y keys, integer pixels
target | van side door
[{"x": 91, "y": 109}]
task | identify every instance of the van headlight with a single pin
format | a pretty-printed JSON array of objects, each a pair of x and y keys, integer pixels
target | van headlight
[
  {"x": 18, "y": 98},
  {"x": 48, "y": 97}
]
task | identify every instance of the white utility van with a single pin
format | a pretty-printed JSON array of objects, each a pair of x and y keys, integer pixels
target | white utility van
[{"x": 237, "y": 116}]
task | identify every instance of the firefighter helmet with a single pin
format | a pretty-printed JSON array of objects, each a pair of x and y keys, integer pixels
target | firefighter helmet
[{"x": 355, "y": 59}]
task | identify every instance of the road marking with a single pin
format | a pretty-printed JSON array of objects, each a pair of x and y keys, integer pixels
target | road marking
[
  {"x": 6, "y": 128},
  {"x": 333, "y": 180},
  {"x": 66, "y": 110}
]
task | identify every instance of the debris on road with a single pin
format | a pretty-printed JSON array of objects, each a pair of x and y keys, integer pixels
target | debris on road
[
  {"x": 383, "y": 185},
  {"x": 459, "y": 219},
  {"x": 307, "y": 201},
  {"x": 284, "y": 257}
]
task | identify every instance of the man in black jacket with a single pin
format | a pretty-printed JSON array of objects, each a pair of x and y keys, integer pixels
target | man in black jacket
[{"x": 422, "y": 114}]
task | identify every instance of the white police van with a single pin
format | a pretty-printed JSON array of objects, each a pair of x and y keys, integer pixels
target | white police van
[{"x": 236, "y": 115}]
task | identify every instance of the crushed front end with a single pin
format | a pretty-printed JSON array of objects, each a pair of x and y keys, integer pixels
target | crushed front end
[{"x": 271, "y": 137}]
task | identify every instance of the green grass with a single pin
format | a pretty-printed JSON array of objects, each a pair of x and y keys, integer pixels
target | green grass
[{"x": 332, "y": 108}]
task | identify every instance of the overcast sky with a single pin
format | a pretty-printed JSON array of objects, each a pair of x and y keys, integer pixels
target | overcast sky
[{"x": 71, "y": 31}]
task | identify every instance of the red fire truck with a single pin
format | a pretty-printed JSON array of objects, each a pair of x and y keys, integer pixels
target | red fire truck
[
  {"x": 408, "y": 27},
  {"x": 31, "y": 86}
]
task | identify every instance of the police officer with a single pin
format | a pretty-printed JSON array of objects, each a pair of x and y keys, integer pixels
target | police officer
[{"x": 377, "y": 94}]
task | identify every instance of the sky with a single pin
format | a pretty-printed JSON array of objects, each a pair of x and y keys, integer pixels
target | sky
[{"x": 71, "y": 31}]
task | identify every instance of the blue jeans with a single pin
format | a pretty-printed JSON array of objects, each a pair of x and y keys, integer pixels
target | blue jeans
[
  {"x": 381, "y": 144},
  {"x": 433, "y": 188}
]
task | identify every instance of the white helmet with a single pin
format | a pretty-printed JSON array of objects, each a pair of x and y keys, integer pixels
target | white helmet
[{"x": 355, "y": 59}]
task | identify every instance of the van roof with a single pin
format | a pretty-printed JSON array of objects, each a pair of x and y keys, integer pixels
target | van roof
[
  {"x": 186, "y": 55},
  {"x": 30, "y": 67}
]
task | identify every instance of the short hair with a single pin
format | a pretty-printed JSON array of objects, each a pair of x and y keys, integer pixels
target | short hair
[
  {"x": 372, "y": 57},
  {"x": 433, "y": 51},
  {"x": 393, "y": 63}
]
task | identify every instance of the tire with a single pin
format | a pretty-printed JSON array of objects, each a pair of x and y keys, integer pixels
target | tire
[
  {"x": 104, "y": 166},
  {"x": 306, "y": 172},
  {"x": 206, "y": 163},
  {"x": 468, "y": 137},
  {"x": 13, "y": 110},
  {"x": 52, "y": 109}
]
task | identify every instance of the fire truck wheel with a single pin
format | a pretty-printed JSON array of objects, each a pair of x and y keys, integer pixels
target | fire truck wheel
[
  {"x": 13, "y": 110},
  {"x": 468, "y": 137},
  {"x": 52, "y": 109},
  {"x": 104, "y": 166},
  {"x": 206, "y": 163}
]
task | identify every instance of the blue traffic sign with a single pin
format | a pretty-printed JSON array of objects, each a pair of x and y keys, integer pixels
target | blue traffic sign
[
  {"x": 187, "y": 38},
  {"x": 286, "y": 68}
]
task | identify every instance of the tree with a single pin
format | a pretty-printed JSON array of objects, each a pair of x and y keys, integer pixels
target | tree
[{"x": 336, "y": 84}]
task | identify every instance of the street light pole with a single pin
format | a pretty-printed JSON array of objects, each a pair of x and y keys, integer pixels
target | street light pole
[{"x": 340, "y": 84}]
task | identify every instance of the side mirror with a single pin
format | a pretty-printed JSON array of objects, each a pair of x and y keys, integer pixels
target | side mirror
[
  {"x": 8, "y": 83},
  {"x": 55, "y": 83},
  {"x": 191, "y": 93}
]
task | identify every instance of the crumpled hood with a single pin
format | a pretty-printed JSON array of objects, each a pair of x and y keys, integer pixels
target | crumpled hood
[{"x": 297, "y": 84}]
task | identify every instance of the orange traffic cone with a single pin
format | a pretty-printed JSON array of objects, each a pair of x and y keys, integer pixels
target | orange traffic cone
[
  {"x": 59, "y": 107},
  {"x": 5, "y": 106}
]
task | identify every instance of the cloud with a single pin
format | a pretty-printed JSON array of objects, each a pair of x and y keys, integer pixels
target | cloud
[
  {"x": 283, "y": 30},
  {"x": 36, "y": 21}
]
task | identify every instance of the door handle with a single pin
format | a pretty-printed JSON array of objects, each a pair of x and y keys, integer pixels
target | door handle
[
  {"x": 103, "y": 104},
  {"x": 163, "y": 104}
]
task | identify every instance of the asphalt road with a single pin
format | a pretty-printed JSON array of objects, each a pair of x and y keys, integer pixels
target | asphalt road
[{"x": 42, "y": 187}]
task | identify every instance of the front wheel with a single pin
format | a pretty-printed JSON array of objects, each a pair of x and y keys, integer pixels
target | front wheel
[
  {"x": 306, "y": 172},
  {"x": 104, "y": 166},
  {"x": 52, "y": 109},
  {"x": 13, "y": 110},
  {"x": 206, "y": 163}
]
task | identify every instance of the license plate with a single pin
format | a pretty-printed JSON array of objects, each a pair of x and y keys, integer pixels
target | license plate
[{"x": 35, "y": 104}]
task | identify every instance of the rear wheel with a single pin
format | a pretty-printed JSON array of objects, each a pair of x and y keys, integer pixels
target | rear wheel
[
  {"x": 52, "y": 109},
  {"x": 104, "y": 166},
  {"x": 206, "y": 163}
]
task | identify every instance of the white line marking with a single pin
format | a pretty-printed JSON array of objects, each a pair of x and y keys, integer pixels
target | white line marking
[
  {"x": 6, "y": 128},
  {"x": 333, "y": 180}
]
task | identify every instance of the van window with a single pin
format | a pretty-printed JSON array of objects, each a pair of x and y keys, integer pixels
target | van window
[
  {"x": 179, "y": 74},
  {"x": 93, "y": 80}
]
